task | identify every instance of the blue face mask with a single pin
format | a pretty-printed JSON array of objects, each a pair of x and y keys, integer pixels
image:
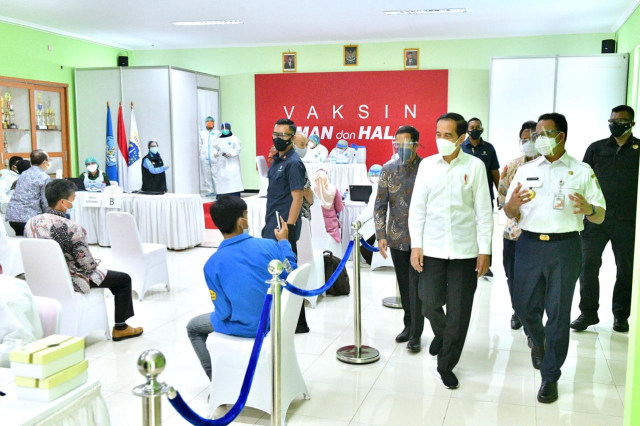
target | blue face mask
[
  {"x": 70, "y": 209},
  {"x": 405, "y": 154},
  {"x": 153, "y": 150}
]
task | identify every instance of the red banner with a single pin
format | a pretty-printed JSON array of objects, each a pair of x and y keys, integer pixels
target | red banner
[{"x": 364, "y": 108}]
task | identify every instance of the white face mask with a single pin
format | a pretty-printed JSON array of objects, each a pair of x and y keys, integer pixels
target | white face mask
[
  {"x": 445, "y": 147},
  {"x": 301, "y": 151},
  {"x": 545, "y": 145},
  {"x": 528, "y": 148},
  {"x": 92, "y": 168}
]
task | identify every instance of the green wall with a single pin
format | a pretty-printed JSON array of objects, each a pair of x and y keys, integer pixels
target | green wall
[
  {"x": 628, "y": 38},
  {"x": 25, "y": 54},
  {"x": 468, "y": 63}
]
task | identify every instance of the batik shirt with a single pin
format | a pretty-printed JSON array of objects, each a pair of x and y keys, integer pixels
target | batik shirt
[
  {"x": 511, "y": 230},
  {"x": 72, "y": 239},
  {"x": 305, "y": 210},
  {"x": 28, "y": 200},
  {"x": 394, "y": 193}
]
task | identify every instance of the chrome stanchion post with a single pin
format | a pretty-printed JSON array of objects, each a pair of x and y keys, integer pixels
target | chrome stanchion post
[
  {"x": 150, "y": 364},
  {"x": 394, "y": 302},
  {"x": 357, "y": 354},
  {"x": 275, "y": 269}
]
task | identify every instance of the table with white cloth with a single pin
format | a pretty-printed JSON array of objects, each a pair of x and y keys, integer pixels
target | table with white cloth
[
  {"x": 341, "y": 175},
  {"x": 175, "y": 220},
  {"x": 352, "y": 210},
  {"x": 80, "y": 407}
]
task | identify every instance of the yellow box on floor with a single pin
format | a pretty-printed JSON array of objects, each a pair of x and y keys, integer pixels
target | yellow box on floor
[
  {"x": 52, "y": 387},
  {"x": 46, "y": 357}
]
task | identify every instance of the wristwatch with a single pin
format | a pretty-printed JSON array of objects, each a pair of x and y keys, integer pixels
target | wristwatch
[{"x": 593, "y": 211}]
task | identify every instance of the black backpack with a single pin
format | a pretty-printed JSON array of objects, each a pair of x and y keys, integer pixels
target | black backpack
[{"x": 341, "y": 287}]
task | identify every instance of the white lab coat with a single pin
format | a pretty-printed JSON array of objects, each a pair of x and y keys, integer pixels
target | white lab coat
[
  {"x": 227, "y": 174},
  {"x": 6, "y": 180},
  {"x": 208, "y": 158},
  {"x": 368, "y": 228},
  {"x": 318, "y": 154},
  {"x": 342, "y": 157}
]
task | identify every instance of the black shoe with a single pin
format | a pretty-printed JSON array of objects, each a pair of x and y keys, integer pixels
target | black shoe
[
  {"x": 537, "y": 355},
  {"x": 448, "y": 379},
  {"x": 515, "y": 322},
  {"x": 548, "y": 392},
  {"x": 529, "y": 342},
  {"x": 583, "y": 321},
  {"x": 620, "y": 325},
  {"x": 404, "y": 336},
  {"x": 435, "y": 346},
  {"x": 414, "y": 345},
  {"x": 489, "y": 274},
  {"x": 302, "y": 328}
]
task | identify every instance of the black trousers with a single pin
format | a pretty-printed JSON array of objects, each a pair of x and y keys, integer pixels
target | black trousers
[
  {"x": 366, "y": 254},
  {"x": 302, "y": 318},
  {"x": 545, "y": 279},
  {"x": 594, "y": 239},
  {"x": 408, "y": 285},
  {"x": 450, "y": 282},
  {"x": 18, "y": 227},
  {"x": 119, "y": 284},
  {"x": 508, "y": 261}
]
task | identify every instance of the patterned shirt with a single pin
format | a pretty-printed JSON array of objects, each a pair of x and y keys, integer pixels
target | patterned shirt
[
  {"x": 394, "y": 192},
  {"x": 305, "y": 211},
  {"x": 511, "y": 230},
  {"x": 72, "y": 239},
  {"x": 28, "y": 200}
]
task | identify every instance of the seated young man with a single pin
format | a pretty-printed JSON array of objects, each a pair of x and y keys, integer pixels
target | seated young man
[
  {"x": 72, "y": 238},
  {"x": 236, "y": 276}
]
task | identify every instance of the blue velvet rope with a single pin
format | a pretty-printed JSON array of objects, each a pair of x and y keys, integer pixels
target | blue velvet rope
[
  {"x": 189, "y": 415},
  {"x": 368, "y": 246},
  {"x": 310, "y": 293}
]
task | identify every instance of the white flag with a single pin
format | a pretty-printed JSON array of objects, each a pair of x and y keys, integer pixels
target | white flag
[{"x": 134, "y": 182}]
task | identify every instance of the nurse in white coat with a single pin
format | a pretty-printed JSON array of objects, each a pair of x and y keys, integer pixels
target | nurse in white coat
[
  {"x": 228, "y": 176},
  {"x": 317, "y": 153},
  {"x": 342, "y": 154},
  {"x": 208, "y": 155}
]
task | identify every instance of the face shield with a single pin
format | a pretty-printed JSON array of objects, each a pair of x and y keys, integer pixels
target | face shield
[
  {"x": 404, "y": 149},
  {"x": 374, "y": 173}
]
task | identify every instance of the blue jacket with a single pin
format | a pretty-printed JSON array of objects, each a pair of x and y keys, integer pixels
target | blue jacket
[{"x": 236, "y": 276}]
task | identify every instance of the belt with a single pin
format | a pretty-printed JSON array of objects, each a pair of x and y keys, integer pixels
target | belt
[{"x": 549, "y": 237}]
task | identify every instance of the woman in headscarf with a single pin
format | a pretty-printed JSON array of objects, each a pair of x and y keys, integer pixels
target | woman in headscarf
[
  {"x": 94, "y": 179},
  {"x": 331, "y": 202},
  {"x": 153, "y": 170}
]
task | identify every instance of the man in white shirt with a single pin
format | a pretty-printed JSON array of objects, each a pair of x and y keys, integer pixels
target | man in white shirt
[
  {"x": 551, "y": 195},
  {"x": 7, "y": 178},
  {"x": 451, "y": 225}
]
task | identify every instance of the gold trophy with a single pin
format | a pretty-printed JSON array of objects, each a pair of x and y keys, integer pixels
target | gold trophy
[
  {"x": 51, "y": 117},
  {"x": 11, "y": 113},
  {"x": 40, "y": 124},
  {"x": 4, "y": 123}
]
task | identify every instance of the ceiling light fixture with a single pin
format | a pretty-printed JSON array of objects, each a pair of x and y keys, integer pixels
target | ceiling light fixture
[
  {"x": 199, "y": 23},
  {"x": 426, "y": 11}
]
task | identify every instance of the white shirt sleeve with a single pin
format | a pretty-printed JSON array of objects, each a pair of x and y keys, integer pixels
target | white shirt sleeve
[
  {"x": 482, "y": 207},
  {"x": 593, "y": 193},
  {"x": 418, "y": 207}
]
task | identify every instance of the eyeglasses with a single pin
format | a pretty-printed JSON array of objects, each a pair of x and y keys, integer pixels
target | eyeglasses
[
  {"x": 404, "y": 144},
  {"x": 622, "y": 121},
  {"x": 282, "y": 135},
  {"x": 544, "y": 133}
]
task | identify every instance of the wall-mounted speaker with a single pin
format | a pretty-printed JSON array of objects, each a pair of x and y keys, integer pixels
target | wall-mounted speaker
[
  {"x": 123, "y": 61},
  {"x": 609, "y": 46}
]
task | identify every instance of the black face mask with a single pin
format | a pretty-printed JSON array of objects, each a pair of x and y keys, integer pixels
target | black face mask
[
  {"x": 281, "y": 144},
  {"x": 618, "y": 130},
  {"x": 475, "y": 133}
]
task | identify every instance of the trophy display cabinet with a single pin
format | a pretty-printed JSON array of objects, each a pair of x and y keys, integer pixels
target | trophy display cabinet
[{"x": 35, "y": 116}]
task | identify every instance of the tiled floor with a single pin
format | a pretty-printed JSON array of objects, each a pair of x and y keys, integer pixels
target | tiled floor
[{"x": 498, "y": 385}]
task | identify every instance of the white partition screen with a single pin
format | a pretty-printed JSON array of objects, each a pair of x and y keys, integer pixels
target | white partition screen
[
  {"x": 184, "y": 129},
  {"x": 584, "y": 89}
]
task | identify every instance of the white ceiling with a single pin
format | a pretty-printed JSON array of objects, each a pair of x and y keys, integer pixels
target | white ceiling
[{"x": 146, "y": 24}]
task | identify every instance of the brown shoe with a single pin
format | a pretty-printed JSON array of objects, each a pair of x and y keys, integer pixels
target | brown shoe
[{"x": 126, "y": 333}]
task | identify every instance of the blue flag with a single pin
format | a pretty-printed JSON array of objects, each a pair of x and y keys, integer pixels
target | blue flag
[{"x": 110, "y": 165}]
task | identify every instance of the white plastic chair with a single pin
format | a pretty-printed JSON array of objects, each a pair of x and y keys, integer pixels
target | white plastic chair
[
  {"x": 50, "y": 313},
  {"x": 230, "y": 357},
  {"x": 146, "y": 263},
  {"x": 319, "y": 236},
  {"x": 47, "y": 275},
  {"x": 10, "y": 257},
  {"x": 306, "y": 254},
  {"x": 263, "y": 171}
]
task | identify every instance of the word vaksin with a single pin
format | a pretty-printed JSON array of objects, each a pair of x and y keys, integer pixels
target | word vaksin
[
  {"x": 365, "y": 132},
  {"x": 363, "y": 111}
]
